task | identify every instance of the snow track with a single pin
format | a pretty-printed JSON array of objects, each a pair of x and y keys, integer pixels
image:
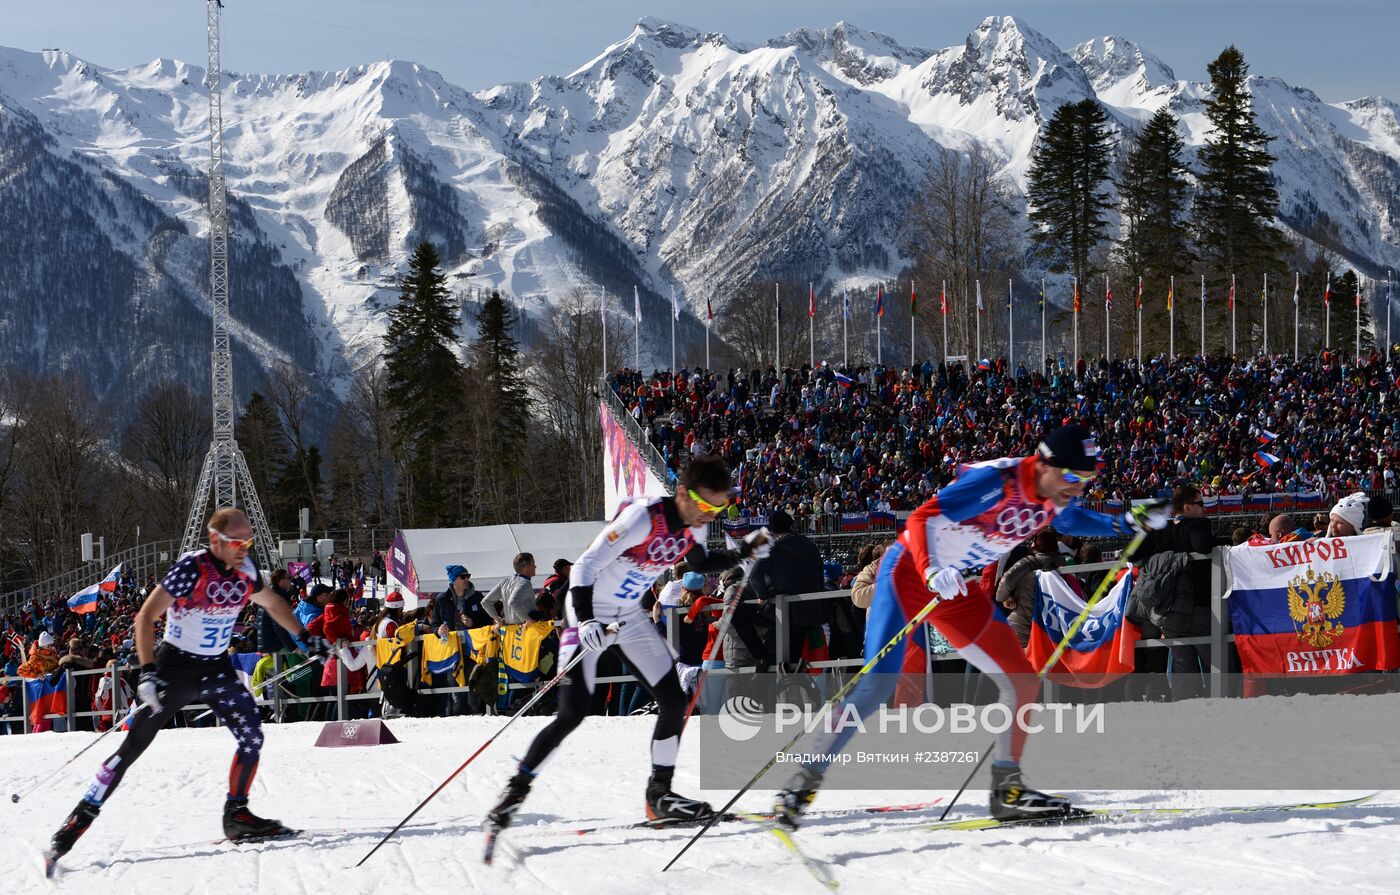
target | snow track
[{"x": 160, "y": 831}]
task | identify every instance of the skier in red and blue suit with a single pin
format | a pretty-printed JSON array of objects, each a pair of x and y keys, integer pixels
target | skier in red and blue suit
[{"x": 971, "y": 523}]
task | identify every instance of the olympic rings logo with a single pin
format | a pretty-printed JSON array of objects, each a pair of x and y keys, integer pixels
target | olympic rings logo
[
  {"x": 667, "y": 551},
  {"x": 1020, "y": 523},
  {"x": 225, "y": 591}
]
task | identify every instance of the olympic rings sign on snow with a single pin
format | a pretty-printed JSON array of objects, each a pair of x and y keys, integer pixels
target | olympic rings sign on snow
[{"x": 1020, "y": 523}]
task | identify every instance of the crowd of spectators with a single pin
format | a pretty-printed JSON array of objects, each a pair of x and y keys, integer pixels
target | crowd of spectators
[{"x": 868, "y": 439}]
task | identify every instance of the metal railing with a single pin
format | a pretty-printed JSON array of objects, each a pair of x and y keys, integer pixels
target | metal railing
[{"x": 650, "y": 455}]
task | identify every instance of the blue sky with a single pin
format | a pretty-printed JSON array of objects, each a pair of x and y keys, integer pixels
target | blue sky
[{"x": 1339, "y": 48}]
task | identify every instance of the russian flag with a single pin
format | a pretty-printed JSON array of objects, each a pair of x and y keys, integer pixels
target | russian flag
[
  {"x": 85, "y": 600},
  {"x": 47, "y": 698},
  {"x": 1101, "y": 651},
  {"x": 1265, "y": 459},
  {"x": 855, "y": 522},
  {"x": 1324, "y": 606},
  {"x": 1265, "y": 436},
  {"x": 844, "y": 379}
]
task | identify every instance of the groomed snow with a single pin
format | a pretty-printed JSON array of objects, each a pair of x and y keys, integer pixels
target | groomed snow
[{"x": 158, "y": 833}]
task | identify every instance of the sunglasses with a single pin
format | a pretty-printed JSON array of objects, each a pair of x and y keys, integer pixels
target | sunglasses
[
  {"x": 704, "y": 505},
  {"x": 235, "y": 543},
  {"x": 1073, "y": 478}
]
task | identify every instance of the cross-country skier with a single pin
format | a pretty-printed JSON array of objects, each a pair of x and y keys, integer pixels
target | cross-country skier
[
  {"x": 201, "y": 598},
  {"x": 971, "y": 523},
  {"x": 606, "y": 585}
]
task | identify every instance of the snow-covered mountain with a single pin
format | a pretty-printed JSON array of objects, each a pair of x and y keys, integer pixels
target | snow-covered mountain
[{"x": 675, "y": 158}]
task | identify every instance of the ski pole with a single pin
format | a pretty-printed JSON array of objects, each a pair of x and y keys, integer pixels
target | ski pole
[
  {"x": 1108, "y": 578},
  {"x": 840, "y": 694},
  {"x": 15, "y": 797},
  {"x": 524, "y": 710}
]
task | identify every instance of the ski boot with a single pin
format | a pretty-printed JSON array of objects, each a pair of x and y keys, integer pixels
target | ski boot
[
  {"x": 75, "y": 826},
  {"x": 1011, "y": 799},
  {"x": 498, "y": 818},
  {"x": 242, "y": 825},
  {"x": 665, "y": 808},
  {"x": 797, "y": 798}
]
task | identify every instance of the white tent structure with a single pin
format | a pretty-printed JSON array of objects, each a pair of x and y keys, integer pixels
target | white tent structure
[{"x": 419, "y": 558}]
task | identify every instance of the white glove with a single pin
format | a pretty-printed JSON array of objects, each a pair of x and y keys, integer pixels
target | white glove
[
  {"x": 1147, "y": 516},
  {"x": 592, "y": 636},
  {"x": 151, "y": 688},
  {"x": 760, "y": 544},
  {"x": 947, "y": 583}
]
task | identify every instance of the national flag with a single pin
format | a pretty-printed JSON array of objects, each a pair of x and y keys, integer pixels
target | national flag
[
  {"x": 1101, "y": 651},
  {"x": 1203, "y": 290},
  {"x": 943, "y": 299},
  {"x": 1323, "y": 606},
  {"x": 1232, "y": 292},
  {"x": 1358, "y": 293},
  {"x": 357, "y": 591},
  {"x": 85, "y": 600},
  {"x": 1076, "y": 296},
  {"x": 243, "y": 666},
  {"x": 983, "y": 364},
  {"x": 913, "y": 301},
  {"x": 1139, "y": 294},
  {"x": 1295, "y": 290},
  {"x": 879, "y": 301},
  {"x": 1327, "y": 290},
  {"x": 1169, "y": 298},
  {"x": 675, "y": 305},
  {"x": 636, "y": 305},
  {"x": 709, "y": 310},
  {"x": 855, "y": 522},
  {"x": 1265, "y": 436},
  {"x": 979, "y": 296},
  {"x": 1040, "y": 305},
  {"x": 811, "y": 302},
  {"x": 47, "y": 697},
  {"x": 846, "y": 305},
  {"x": 777, "y": 305},
  {"x": 845, "y": 380},
  {"x": 1265, "y": 459},
  {"x": 1107, "y": 295}
]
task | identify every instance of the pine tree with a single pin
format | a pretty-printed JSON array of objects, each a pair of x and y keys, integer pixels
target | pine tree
[
  {"x": 1067, "y": 195},
  {"x": 264, "y": 445},
  {"x": 1154, "y": 243},
  {"x": 1237, "y": 201},
  {"x": 500, "y": 412},
  {"x": 424, "y": 380}
]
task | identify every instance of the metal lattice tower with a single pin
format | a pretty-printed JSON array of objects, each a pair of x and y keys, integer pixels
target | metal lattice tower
[{"x": 225, "y": 472}]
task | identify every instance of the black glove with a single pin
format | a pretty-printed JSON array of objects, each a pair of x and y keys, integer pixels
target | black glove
[
  {"x": 316, "y": 647},
  {"x": 150, "y": 689}
]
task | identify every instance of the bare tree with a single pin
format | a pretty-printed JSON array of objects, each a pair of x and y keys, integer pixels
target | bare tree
[
  {"x": 166, "y": 443},
  {"x": 289, "y": 391},
  {"x": 961, "y": 229},
  {"x": 62, "y": 465},
  {"x": 748, "y": 321},
  {"x": 565, "y": 369},
  {"x": 367, "y": 414}
]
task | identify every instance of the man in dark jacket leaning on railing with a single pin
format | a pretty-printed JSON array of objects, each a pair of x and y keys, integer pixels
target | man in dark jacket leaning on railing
[{"x": 794, "y": 567}]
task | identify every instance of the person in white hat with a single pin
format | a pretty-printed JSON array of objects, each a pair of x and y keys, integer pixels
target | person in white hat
[{"x": 1348, "y": 517}]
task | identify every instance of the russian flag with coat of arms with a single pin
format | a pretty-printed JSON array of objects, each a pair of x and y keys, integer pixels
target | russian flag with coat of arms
[
  {"x": 1323, "y": 606},
  {"x": 1101, "y": 651}
]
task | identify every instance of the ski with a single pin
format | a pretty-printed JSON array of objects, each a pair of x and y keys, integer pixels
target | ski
[
  {"x": 1112, "y": 815},
  {"x": 731, "y": 817},
  {"x": 488, "y": 848},
  {"x": 819, "y": 869}
]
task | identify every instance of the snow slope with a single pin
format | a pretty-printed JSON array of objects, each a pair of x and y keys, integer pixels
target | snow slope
[{"x": 157, "y": 833}]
